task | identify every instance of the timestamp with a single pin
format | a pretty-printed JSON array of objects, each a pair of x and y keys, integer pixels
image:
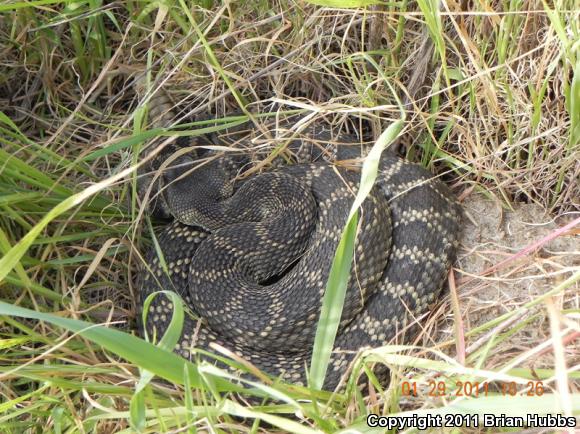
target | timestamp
[{"x": 471, "y": 388}]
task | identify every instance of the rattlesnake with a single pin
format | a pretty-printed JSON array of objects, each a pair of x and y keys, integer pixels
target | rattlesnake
[{"x": 251, "y": 258}]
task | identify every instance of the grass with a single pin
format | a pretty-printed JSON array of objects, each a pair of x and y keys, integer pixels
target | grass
[{"x": 492, "y": 103}]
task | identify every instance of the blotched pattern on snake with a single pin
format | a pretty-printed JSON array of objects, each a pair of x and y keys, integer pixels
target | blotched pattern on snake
[{"x": 251, "y": 257}]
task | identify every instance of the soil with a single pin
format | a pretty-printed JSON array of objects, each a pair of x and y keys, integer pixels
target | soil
[{"x": 492, "y": 234}]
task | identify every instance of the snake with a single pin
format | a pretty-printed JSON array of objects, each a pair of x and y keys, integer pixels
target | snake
[{"x": 250, "y": 256}]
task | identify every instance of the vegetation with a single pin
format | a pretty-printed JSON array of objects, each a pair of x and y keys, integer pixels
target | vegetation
[{"x": 491, "y": 98}]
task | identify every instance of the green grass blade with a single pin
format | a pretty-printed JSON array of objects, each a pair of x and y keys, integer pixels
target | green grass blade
[
  {"x": 167, "y": 343},
  {"x": 141, "y": 137},
  {"x": 137, "y": 411},
  {"x": 287, "y": 425},
  {"x": 333, "y": 300},
  {"x": 161, "y": 362},
  {"x": 26, "y": 4},
  {"x": 188, "y": 398},
  {"x": 346, "y": 4},
  {"x": 15, "y": 254},
  {"x": 332, "y": 304}
]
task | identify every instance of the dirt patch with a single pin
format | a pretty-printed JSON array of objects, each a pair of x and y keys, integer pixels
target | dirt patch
[{"x": 491, "y": 235}]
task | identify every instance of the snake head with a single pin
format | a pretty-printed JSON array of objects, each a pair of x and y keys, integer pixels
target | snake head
[{"x": 195, "y": 188}]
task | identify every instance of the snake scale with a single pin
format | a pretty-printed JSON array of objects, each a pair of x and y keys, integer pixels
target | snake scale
[{"x": 251, "y": 258}]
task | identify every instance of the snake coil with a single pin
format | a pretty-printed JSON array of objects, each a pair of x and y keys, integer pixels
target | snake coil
[{"x": 251, "y": 258}]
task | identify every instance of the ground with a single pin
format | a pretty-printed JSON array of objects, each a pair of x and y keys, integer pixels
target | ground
[{"x": 489, "y": 93}]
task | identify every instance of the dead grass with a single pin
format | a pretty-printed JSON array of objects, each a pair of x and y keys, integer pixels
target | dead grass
[{"x": 493, "y": 105}]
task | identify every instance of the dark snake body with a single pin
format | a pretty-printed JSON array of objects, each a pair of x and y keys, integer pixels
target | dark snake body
[{"x": 251, "y": 260}]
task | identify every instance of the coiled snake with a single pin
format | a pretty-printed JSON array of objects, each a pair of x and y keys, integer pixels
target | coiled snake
[{"x": 251, "y": 258}]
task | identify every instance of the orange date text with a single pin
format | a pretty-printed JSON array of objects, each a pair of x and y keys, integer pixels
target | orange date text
[{"x": 471, "y": 388}]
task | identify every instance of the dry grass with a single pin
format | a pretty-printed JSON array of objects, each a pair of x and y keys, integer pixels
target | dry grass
[{"x": 492, "y": 94}]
